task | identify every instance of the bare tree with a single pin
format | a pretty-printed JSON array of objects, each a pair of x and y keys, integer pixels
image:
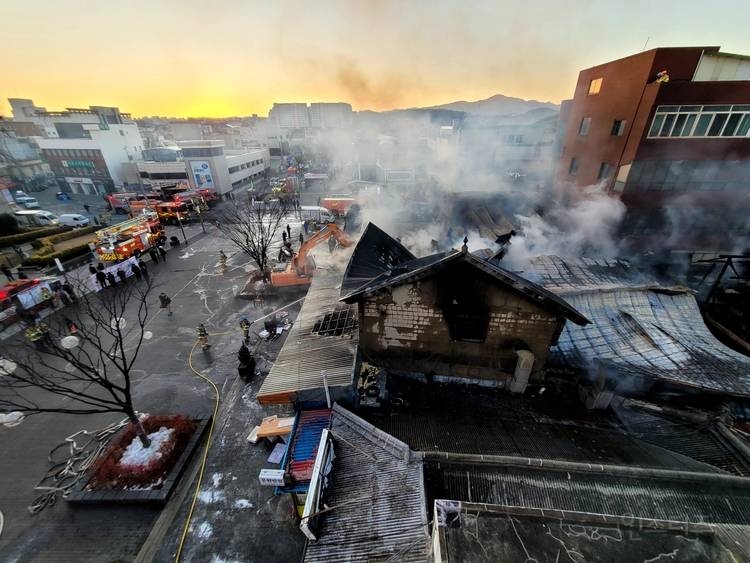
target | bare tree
[
  {"x": 81, "y": 369},
  {"x": 252, "y": 228}
]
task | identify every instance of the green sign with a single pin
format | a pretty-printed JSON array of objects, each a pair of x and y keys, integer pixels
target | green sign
[{"x": 78, "y": 164}]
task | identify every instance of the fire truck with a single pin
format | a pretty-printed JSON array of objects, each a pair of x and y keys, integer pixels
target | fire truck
[{"x": 129, "y": 238}]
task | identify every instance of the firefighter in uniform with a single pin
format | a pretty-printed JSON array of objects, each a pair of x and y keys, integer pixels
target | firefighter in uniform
[
  {"x": 245, "y": 326},
  {"x": 203, "y": 336},
  {"x": 222, "y": 262}
]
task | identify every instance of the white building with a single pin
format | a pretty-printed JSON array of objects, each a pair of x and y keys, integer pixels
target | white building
[
  {"x": 209, "y": 166},
  {"x": 85, "y": 148}
]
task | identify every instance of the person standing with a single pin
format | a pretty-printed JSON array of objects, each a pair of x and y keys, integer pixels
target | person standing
[
  {"x": 111, "y": 279},
  {"x": 136, "y": 272},
  {"x": 87, "y": 207},
  {"x": 122, "y": 275},
  {"x": 165, "y": 303},
  {"x": 283, "y": 236},
  {"x": 92, "y": 269},
  {"x": 301, "y": 238},
  {"x": 142, "y": 268},
  {"x": 7, "y": 272},
  {"x": 162, "y": 253},
  {"x": 154, "y": 255},
  {"x": 101, "y": 277},
  {"x": 306, "y": 226},
  {"x": 289, "y": 231}
]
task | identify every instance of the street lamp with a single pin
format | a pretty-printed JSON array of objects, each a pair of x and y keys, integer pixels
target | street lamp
[{"x": 179, "y": 221}]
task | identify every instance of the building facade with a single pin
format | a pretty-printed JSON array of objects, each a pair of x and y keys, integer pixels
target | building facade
[
  {"x": 290, "y": 116},
  {"x": 85, "y": 148},
  {"x": 210, "y": 166},
  {"x": 668, "y": 131}
]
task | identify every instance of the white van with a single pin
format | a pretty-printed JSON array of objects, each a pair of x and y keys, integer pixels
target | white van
[
  {"x": 36, "y": 218},
  {"x": 74, "y": 220},
  {"x": 313, "y": 213}
]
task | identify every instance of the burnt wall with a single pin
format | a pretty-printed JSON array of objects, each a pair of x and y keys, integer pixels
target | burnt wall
[{"x": 413, "y": 328}]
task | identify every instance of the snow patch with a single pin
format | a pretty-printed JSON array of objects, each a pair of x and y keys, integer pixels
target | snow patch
[
  {"x": 243, "y": 503},
  {"x": 205, "y": 530},
  {"x": 211, "y": 495},
  {"x": 216, "y": 479},
  {"x": 136, "y": 455}
]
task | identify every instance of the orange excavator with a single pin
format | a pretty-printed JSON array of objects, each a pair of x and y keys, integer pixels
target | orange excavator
[{"x": 299, "y": 270}]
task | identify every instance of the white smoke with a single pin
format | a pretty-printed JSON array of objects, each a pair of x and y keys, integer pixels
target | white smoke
[{"x": 586, "y": 228}]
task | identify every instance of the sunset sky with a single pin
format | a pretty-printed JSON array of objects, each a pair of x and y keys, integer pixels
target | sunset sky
[{"x": 237, "y": 57}]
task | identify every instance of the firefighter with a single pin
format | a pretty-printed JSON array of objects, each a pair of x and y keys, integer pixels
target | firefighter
[
  {"x": 246, "y": 367},
  {"x": 203, "y": 337},
  {"x": 245, "y": 326},
  {"x": 222, "y": 262}
]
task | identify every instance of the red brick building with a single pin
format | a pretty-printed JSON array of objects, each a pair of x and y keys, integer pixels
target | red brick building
[{"x": 669, "y": 131}]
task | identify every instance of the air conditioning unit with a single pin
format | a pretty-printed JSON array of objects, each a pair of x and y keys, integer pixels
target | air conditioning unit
[{"x": 271, "y": 477}]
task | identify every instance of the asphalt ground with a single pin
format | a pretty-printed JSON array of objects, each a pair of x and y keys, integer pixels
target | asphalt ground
[{"x": 162, "y": 383}]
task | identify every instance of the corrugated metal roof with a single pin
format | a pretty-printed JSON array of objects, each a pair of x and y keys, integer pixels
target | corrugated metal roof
[
  {"x": 485, "y": 432},
  {"x": 305, "y": 353},
  {"x": 377, "y": 499},
  {"x": 639, "y": 328},
  {"x": 664, "y": 499}
]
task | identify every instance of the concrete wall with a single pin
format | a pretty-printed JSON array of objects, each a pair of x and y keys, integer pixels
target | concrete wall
[{"x": 406, "y": 329}]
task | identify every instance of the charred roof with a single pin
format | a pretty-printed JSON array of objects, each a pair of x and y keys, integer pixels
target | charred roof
[{"x": 402, "y": 272}]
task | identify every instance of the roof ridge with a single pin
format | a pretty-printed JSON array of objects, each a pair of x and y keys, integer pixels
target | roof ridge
[{"x": 389, "y": 443}]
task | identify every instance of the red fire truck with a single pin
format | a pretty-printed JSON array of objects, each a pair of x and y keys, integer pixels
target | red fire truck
[{"x": 129, "y": 238}]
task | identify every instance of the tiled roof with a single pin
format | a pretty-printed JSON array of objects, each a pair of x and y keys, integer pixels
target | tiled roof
[
  {"x": 376, "y": 498},
  {"x": 420, "y": 268}
]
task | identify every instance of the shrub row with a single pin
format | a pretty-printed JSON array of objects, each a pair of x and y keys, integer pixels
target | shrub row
[
  {"x": 33, "y": 234},
  {"x": 48, "y": 259}
]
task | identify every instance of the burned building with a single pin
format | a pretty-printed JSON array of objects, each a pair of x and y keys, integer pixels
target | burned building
[
  {"x": 451, "y": 314},
  {"x": 645, "y": 339}
]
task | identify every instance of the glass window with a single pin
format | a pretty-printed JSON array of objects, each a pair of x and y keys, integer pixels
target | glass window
[
  {"x": 604, "y": 170},
  {"x": 667, "y": 109},
  {"x": 731, "y": 125},
  {"x": 618, "y": 128},
  {"x": 667, "y": 127},
  {"x": 656, "y": 125},
  {"x": 717, "y": 108},
  {"x": 744, "y": 126},
  {"x": 573, "y": 169},
  {"x": 584, "y": 127},
  {"x": 595, "y": 86},
  {"x": 717, "y": 124},
  {"x": 702, "y": 126},
  {"x": 678, "y": 125},
  {"x": 740, "y": 108},
  {"x": 688, "y": 125},
  {"x": 686, "y": 109}
]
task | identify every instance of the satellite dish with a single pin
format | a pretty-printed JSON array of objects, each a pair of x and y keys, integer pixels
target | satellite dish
[{"x": 70, "y": 342}]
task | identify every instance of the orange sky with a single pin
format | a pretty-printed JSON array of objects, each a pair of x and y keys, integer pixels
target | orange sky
[{"x": 237, "y": 57}]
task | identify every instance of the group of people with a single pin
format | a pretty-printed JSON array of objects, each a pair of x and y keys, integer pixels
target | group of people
[{"x": 138, "y": 269}]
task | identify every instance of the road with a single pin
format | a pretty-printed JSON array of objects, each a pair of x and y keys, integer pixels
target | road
[{"x": 163, "y": 383}]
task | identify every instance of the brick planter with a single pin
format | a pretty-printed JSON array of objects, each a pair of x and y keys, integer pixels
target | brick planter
[{"x": 80, "y": 495}]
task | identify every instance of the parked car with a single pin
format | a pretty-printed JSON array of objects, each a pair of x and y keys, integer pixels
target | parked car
[
  {"x": 25, "y": 200},
  {"x": 74, "y": 220}
]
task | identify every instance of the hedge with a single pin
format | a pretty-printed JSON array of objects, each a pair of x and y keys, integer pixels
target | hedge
[
  {"x": 26, "y": 236},
  {"x": 72, "y": 234},
  {"x": 49, "y": 259}
]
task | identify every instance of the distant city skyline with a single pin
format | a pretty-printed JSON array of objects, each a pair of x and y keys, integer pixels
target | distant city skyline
[{"x": 236, "y": 58}]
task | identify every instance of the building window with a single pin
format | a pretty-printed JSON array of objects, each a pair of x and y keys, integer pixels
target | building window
[
  {"x": 573, "y": 168},
  {"x": 604, "y": 170},
  {"x": 595, "y": 86},
  {"x": 701, "y": 121},
  {"x": 618, "y": 128},
  {"x": 122, "y": 133},
  {"x": 583, "y": 130}
]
